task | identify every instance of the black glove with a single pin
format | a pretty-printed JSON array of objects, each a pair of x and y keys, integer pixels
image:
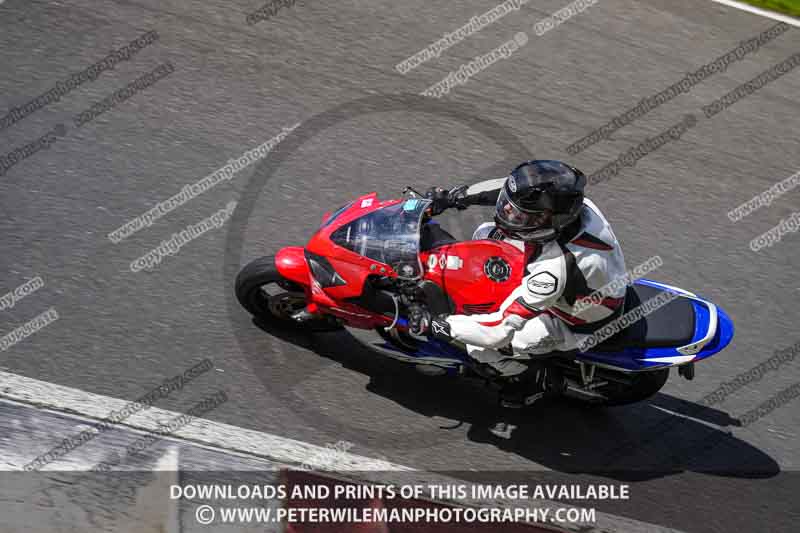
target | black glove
[
  {"x": 419, "y": 319},
  {"x": 458, "y": 197},
  {"x": 444, "y": 199},
  {"x": 440, "y": 329}
]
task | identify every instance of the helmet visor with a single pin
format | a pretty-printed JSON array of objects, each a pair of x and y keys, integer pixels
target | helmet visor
[
  {"x": 523, "y": 224},
  {"x": 513, "y": 217}
]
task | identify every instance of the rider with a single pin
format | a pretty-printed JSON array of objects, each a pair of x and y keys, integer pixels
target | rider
[{"x": 570, "y": 252}]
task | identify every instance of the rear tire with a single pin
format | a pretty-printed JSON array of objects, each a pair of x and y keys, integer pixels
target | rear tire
[
  {"x": 645, "y": 384},
  {"x": 267, "y": 295}
]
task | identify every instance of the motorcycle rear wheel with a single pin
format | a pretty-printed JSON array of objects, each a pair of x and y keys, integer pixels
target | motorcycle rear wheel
[{"x": 642, "y": 386}]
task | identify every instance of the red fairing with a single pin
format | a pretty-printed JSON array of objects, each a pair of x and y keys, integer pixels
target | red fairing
[
  {"x": 461, "y": 270},
  {"x": 292, "y": 265},
  {"x": 352, "y": 267}
]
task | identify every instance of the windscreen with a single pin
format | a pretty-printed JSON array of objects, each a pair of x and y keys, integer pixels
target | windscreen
[{"x": 389, "y": 235}]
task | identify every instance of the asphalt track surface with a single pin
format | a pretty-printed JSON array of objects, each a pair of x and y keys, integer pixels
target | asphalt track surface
[{"x": 330, "y": 67}]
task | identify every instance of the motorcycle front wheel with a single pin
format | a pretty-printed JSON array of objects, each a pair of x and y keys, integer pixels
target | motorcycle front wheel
[{"x": 267, "y": 295}]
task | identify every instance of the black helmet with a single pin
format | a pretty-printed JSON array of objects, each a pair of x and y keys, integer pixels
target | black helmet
[{"x": 539, "y": 199}]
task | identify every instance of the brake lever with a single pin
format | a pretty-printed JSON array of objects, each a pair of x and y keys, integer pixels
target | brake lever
[{"x": 409, "y": 189}]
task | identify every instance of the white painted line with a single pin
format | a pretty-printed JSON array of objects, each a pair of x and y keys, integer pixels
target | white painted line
[
  {"x": 289, "y": 452},
  {"x": 758, "y": 11},
  {"x": 167, "y": 467},
  {"x": 153, "y": 511}
]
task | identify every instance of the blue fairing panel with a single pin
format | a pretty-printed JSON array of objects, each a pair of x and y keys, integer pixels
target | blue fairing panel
[
  {"x": 432, "y": 352},
  {"x": 638, "y": 359},
  {"x": 722, "y": 339}
]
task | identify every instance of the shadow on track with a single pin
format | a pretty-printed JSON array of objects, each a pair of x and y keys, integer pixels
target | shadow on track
[{"x": 659, "y": 437}]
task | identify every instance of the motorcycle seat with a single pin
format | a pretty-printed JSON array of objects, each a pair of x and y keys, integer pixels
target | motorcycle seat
[{"x": 670, "y": 325}]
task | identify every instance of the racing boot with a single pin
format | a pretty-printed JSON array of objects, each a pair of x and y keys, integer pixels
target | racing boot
[{"x": 525, "y": 389}]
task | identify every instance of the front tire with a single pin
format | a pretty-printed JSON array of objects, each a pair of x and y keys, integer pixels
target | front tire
[{"x": 267, "y": 295}]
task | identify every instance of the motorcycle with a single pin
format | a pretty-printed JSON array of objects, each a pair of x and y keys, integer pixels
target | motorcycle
[{"x": 370, "y": 260}]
